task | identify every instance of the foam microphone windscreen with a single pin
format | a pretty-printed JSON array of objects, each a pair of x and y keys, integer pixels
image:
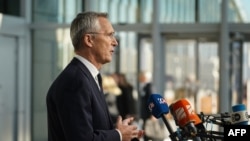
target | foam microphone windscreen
[
  {"x": 157, "y": 105},
  {"x": 183, "y": 113},
  {"x": 239, "y": 115}
]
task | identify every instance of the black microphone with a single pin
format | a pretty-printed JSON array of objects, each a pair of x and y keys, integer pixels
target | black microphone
[{"x": 158, "y": 107}]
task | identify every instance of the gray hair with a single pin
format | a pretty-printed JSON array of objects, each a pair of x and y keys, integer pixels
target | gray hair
[{"x": 83, "y": 23}]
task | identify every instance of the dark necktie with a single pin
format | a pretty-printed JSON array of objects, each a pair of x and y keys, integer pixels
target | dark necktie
[{"x": 99, "y": 77}]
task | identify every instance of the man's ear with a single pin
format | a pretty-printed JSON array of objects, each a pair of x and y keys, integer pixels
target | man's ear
[{"x": 88, "y": 40}]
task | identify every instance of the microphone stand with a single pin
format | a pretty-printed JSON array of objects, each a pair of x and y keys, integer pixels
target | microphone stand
[{"x": 173, "y": 135}]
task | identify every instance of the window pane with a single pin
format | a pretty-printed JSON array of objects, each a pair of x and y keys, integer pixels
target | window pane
[
  {"x": 209, "y": 11},
  {"x": 239, "y": 11},
  {"x": 56, "y": 11}
]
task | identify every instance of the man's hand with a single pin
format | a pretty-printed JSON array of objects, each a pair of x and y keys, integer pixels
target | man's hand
[{"x": 127, "y": 129}]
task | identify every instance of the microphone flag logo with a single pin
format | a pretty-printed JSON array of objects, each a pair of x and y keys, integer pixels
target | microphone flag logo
[
  {"x": 157, "y": 105},
  {"x": 181, "y": 114}
]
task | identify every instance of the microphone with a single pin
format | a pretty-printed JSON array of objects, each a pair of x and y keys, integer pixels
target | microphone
[
  {"x": 158, "y": 107},
  {"x": 239, "y": 116},
  {"x": 187, "y": 119}
]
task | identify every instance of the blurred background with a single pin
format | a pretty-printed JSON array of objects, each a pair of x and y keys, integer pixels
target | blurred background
[{"x": 195, "y": 49}]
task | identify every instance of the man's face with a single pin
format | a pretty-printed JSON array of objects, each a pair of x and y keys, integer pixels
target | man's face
[{"x": 104, "y": 42}]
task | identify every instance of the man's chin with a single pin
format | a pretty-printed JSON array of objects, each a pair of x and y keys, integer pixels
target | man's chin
[{"x": 107, "y": 61}]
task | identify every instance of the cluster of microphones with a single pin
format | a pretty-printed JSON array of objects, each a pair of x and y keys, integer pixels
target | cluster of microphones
[{"x": 190, "y": 124}]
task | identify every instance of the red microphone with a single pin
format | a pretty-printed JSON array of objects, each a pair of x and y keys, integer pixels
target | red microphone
[
  {"x": 183, "y": 113},
  {"x": 186, "y": 118}
]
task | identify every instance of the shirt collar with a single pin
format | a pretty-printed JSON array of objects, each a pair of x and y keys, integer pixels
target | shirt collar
[{"x": 93, "y": 70}]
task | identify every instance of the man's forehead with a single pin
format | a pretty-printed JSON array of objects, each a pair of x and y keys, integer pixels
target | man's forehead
[{"x": 106, "y": 25}]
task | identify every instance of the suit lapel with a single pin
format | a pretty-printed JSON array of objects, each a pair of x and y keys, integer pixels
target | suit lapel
[{"x": 97, "y": 93}]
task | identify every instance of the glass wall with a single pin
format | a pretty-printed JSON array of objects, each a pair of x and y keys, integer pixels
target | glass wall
[
  {"x": 55, "y": 11},
  {"x": 209, "y": 11},
  {"x": 180, "y": 60},
  {"x": 238, "y": 11},
  {"x": 191, "y": 70},
  {"x": 177, "y": 11}
]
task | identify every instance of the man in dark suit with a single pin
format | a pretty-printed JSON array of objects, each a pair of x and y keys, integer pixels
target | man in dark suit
[{"x": 76, "y": 106}]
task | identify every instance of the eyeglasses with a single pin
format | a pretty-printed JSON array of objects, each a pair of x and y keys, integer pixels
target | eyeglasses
[{"x": 110, "y": 35}]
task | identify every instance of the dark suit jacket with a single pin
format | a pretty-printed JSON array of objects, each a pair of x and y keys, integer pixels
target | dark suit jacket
[
  {"x": 126, "y": 102},
  {"x": 147, "y": 90},
  {"x": 76, "y": 109}
]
